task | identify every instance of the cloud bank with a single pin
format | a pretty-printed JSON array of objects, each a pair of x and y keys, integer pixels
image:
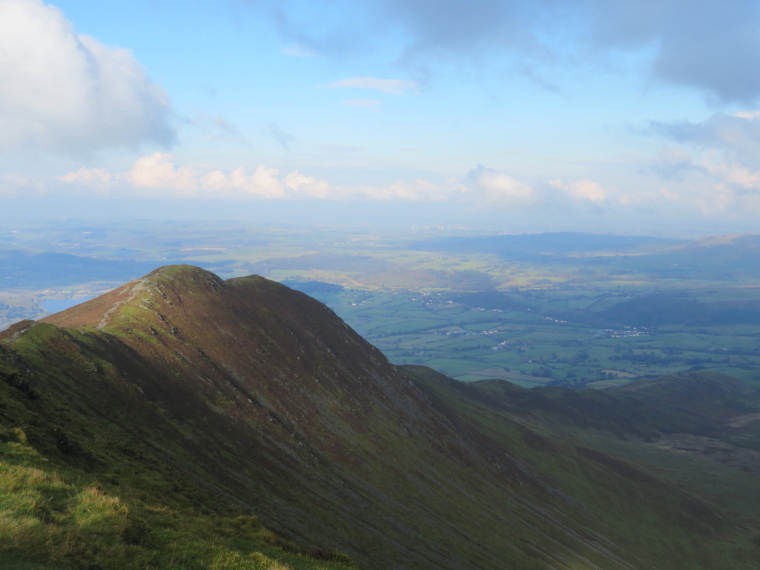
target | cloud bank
[
  {"x": 702, "y": 186},
  {"x": 737, "y": 134},
  {"x": 66, "y": 92},
  {"x": 705, "y": 45},
  {"x": 158, "y": 175},
  {"x": 718, "y": 158}
]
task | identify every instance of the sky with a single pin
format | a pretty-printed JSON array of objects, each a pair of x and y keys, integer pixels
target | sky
[{"x": 504, "y": 115}]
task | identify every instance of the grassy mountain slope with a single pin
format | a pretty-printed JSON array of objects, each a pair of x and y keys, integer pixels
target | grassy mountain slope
[
  {"x": 220, "y": 399},
  {"x": 77, "y": 491},
  {"x": 699, "y": 431}
]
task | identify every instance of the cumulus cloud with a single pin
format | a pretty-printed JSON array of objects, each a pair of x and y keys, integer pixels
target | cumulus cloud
[
  {"x": 701, "y": 44},
  {"x": 159, "y": 175},
  {"x": 67, "y": 92},
  {"x": 417, "y": 191},
  {"x": 582, "y": 190},
  {"x": 493, "y": 187},
  {"x": 393, "y": 86},
  {"x": 712, "y": 181},
  {"x": 497, "y": 187},
  {"x": 13, "y": 185},
  {"x": 713, "y": 187},
  {"x": 734, "y": 174},
  {"x": 159, "y": 172},
  {"x": 721, "y": 153},
  {"x": 93, "y": 177}
]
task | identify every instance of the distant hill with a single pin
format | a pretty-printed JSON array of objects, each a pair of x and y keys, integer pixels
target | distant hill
[
  {"x": 722, "y": 258},
  {"x": 552, "y": 244},
  {"x": 655, "y": 309},
  {"x": 174, "y": 409},
  {"x": 22, "y": 269}
]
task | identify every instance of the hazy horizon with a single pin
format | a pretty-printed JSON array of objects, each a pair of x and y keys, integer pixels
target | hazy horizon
[{"x": 502, "y": 114}]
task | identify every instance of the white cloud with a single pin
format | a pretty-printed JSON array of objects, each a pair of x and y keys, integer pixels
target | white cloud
[
  {"x": 392, "y": 86},
  {"x": 92, "y": 177},
  {"x": 497, "y": 187},
  {"x": 493, "y": 187},
  {"x": 734, "y": 174},
  {"x": 368, "y": 104},
  {"x": 713, "y": 188},
  {"x": 67, "y": 92},
  {"x": 582, "y": 190},
  {"x": 714, "y": 168},
  {"x": 748, "y": 114},
  {"x": 158, "y": 175},
  {"x": 717, "y": 161},
  {"x": 13, "y": 185},
  {"x": 417, "y": 191},
  {"x": 159, "y": 171},
  {"x": 712, "y": 183}
]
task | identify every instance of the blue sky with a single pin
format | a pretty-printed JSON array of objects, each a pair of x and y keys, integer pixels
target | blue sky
[{"x": 511, "y": 115}]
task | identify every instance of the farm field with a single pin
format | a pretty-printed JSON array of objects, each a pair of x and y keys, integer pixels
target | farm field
[{"x": 531, "y": 347}]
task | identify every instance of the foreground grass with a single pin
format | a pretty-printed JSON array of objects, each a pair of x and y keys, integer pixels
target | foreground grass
[{"x": 51, "y": 518}]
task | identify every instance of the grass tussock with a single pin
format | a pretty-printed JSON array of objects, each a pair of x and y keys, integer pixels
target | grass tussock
[{"x": 53, "y": 519}]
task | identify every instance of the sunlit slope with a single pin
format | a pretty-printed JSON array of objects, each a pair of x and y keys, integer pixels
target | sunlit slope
[{"x": 245, "y": 397}]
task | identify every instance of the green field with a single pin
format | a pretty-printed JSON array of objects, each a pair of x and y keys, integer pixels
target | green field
[{"x": 463, "y": 341}]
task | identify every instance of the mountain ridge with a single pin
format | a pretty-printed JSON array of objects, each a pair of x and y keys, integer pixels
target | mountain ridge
[{"x": 263, "y": 398}]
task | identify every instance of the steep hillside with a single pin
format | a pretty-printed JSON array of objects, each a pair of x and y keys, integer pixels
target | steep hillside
[
  {"x": 697, "y": 430},
  {"x": 245, "y": 397}
]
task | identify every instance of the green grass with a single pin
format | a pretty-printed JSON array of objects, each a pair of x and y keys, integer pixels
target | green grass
[
  {"x": 664, "y": 522},
  {"x": 54, "y": 517},
  {"x": 76, "y": 492}
]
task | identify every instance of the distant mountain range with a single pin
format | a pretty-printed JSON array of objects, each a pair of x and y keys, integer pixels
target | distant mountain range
[
  {"x": 22, "y": 269},
  {"x": 220, "y": 400},
  {"x": 555, "y": 244}
]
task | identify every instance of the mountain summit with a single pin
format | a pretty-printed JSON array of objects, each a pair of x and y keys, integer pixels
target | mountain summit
[{"x": 244, "y": 396}]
